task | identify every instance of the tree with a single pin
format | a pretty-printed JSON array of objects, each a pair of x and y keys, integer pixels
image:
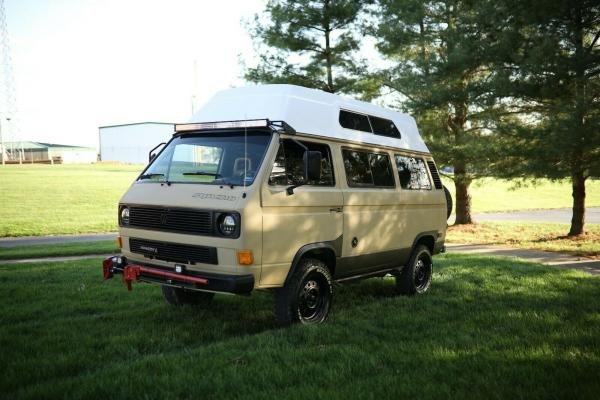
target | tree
[
  {"x": 549, "y": 58},
  {"x": 442, "y": 69},
  {"x": 311, "y": 43}
]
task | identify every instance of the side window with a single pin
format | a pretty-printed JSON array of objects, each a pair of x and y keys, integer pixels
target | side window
[
  {"x": 384, "y": 127},
  {"x": 358, "y": 122},
  {"x": 289, "y": 163},
  {"x": 367, "y": 169},
  {"x": 412, "y": 173}
]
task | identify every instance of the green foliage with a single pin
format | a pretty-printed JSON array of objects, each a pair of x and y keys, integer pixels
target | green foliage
[
  {"x": 549, "y": 61},
  {"x": 488, "y": 328},
  {"x": 309, "y": 43}
]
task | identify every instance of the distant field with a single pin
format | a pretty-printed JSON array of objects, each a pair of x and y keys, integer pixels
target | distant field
[
  {"x": 56, "y": 199},
  {"x": 489, "y": 328},
  {"x": 491, "y": 194}
]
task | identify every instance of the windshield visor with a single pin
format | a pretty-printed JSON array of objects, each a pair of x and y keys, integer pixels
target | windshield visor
[{"x": 231, "y": 158}]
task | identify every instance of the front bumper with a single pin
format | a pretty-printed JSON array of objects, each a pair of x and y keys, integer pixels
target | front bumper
[{"x": 234, "y": 284}]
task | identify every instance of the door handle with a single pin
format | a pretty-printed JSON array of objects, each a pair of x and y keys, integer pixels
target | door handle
[{"x": 336, "y": 209}]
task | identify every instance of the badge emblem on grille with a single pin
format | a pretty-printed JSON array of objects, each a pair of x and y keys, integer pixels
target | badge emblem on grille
[
  {"x": 149, "y": 249},
  {"x": 163, "y": 219}
]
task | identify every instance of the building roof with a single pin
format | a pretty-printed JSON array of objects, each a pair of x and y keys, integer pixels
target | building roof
[
  {"x": 136, "y": 123},
  {"x": 308, "y": 111},
  {"x": 27, "y": 145}
]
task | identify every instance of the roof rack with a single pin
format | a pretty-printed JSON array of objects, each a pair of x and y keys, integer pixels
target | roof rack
[{"x": 279, "y": 126}]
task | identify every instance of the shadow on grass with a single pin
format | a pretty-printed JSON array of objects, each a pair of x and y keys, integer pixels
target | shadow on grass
[{"x": 488, "y": 326}]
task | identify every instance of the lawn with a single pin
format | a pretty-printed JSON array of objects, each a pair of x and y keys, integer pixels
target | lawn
[
  {"x": 489, "y": 328},
  {"x": 489, "y": 194},
  {"x": 55, "y": 199},
  {"x": 59, "y": 249},
  {"x": 527, "y": 235}
]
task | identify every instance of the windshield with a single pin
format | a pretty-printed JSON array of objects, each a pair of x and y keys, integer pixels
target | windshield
[{"x": 211, "y": 158}]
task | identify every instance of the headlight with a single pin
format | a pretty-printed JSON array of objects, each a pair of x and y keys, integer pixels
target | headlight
[
  {"x": 227, "y": 225},
  {"x": 125, "y": 216}
]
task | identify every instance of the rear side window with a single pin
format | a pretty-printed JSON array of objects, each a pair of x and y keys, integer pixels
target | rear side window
[
  {"x": 289, "y": 164},
  {"x": 412, "y": 173},
  {"x": 364, "y": 169}
]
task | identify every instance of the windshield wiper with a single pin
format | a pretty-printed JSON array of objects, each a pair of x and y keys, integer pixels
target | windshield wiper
[
  {"x": 202, "y": 173},
  {"x": 150, "y": 176}
]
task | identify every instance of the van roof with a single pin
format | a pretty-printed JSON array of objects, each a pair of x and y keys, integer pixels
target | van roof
[{"x": 308, "y": 111}]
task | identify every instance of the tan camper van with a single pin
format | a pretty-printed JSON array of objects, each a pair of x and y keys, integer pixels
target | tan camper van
[{"x": 285, "y": 188}]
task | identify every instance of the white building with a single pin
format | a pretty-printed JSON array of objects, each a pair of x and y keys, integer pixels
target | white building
[{"x": 130, "y": 143}]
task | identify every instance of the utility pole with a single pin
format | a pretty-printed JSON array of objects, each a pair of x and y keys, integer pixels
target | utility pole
[
  {"x": 2, "y": 144},
  {"x": 8, "y": 101}
]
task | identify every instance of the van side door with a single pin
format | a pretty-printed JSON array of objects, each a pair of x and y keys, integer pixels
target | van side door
[
  {"x": 374, "y": 223},
  {"x": 312, "y": 214}
]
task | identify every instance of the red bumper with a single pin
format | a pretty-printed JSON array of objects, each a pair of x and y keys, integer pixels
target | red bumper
[{"x": 133, "y": 272}]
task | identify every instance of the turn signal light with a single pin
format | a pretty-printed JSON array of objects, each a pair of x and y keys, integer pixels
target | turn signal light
[
  {"x": 244, "y": 257},
  {"x": 119, "y": 242}
]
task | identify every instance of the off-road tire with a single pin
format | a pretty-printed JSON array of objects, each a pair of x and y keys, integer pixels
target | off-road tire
[
  {"x": 178, "y": 297},
  {"x": 449, "y": 204},
  {"x": 415, "y": 277},
  {"x": 307, "y": 297}
]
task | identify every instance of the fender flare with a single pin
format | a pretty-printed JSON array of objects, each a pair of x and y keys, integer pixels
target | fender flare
[{"x": 328, "y": 246}]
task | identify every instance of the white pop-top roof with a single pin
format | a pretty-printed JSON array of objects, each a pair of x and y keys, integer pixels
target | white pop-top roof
[{"x": 308, "y": 111}]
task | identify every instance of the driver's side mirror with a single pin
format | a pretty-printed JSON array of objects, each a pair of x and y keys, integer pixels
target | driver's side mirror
[{"x": 151, "y": 154}]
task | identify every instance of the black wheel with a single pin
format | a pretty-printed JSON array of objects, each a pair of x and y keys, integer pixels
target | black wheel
[
  {"x": 307, "y": 296},
  {"x": 178, "y": 297},
  {"x": 449, "y": 204},
  {"x": 415, "y": 278}
]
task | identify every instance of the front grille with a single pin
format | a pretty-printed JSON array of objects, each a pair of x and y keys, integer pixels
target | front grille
[
  {"x": 435, "y": 175},
  {"x": 174, "y": 252},
  {"x": 172, "y": 220}
]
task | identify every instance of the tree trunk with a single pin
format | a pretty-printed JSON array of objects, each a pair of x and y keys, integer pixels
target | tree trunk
[
  {"x": 463, "y": 197},
  {"x": 578, "y": 219}
]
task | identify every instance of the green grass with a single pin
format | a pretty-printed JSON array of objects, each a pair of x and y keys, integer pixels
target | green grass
[
  {"x": 529, "y": 235},
  {"x": 55, "y": 199},
  {"x": 489, "y": 194},
  {"x": 61, "y": 249},
  {"x": 489, "y": 328}
]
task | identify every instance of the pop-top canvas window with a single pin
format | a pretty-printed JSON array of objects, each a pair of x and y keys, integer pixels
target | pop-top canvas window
[
  {"x": 368, "y": 124},
  {"x": 412, "y": 173}
]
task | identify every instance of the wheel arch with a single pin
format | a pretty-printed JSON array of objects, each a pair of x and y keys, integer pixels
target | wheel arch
[
  {"x": 322, "y": 251},
  {"x": 425, "y": 238}
]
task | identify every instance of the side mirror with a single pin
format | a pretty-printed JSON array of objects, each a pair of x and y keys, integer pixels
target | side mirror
[
  {"x": 312, "y": 165},
  {"x": 151, "y": 154}
]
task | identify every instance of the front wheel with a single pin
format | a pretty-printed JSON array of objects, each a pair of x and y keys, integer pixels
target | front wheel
[
  {"x": 178, "y": 296},
  {"x": 415, "y": 278},
  {"x": 306, "y": 298}
]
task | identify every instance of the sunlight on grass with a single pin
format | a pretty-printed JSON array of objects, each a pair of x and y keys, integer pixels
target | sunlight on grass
[{"x": 528, "y": 235}]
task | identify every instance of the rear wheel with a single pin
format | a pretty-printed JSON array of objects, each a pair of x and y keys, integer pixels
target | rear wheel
[
  {"x": 415, "y": 278},
  {"x": 178, "y": 296},
  {"x": 306, "y": 298}
]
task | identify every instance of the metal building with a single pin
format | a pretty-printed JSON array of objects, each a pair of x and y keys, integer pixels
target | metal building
[
  {"x": 50, "y": 153},
  {"x": 130, "y": 143}
]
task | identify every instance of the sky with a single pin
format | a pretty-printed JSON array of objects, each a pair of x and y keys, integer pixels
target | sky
[{"x": 81, "y": 64}]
